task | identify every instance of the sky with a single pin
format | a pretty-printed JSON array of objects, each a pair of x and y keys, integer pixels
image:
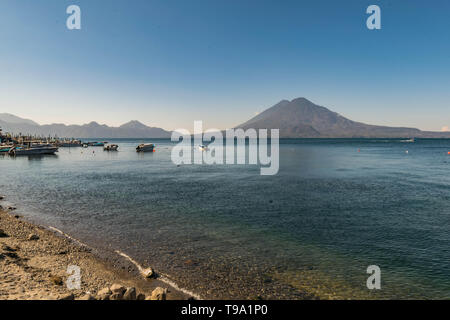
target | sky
[{"x": 167, "y": 63}]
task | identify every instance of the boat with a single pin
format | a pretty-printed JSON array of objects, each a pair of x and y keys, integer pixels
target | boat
[
  {"x": 41, "y": 145},
  {"x": 5, "y": 148},
  {"x": 70, "y": 144},
  {"x": 203, "y": 147},
  {"x": 18, "y": 151},
  {"x": 97, "y": 144},
  {"x": 145, "y": 147},
  {"x": 111, "y": 147},
  {"x": 409, "y": 140}
]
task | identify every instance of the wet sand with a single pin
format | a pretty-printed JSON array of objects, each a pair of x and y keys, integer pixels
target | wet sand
[{"x": 34, "y": 261}]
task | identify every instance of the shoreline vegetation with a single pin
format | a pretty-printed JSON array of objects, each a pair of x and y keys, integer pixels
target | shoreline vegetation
[{"x": 34, "y": 263}]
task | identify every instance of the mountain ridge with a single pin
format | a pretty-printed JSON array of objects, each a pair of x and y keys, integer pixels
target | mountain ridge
[
  {"x": 132, "y": 129},
  {"x": 298, "y": 118}
]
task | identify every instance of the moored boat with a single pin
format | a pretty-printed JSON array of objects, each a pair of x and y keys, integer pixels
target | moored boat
[
  {"x": 40, "y": 145},
  {"x": 145, "y": 147},
  {"x": 70, "y": 144},
  {"x": 111, "y": 147},
  {"x": 17, "y": 151},
  {"x": 5, "y": 148},
  {"x": 97, "y": 144}
]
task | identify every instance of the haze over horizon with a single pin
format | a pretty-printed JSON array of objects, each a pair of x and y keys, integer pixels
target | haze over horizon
[{"x": 168, "y": 63}]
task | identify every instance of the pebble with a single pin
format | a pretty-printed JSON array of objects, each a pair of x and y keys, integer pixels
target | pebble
[
  {"x": 67, "y": 297},
  {"x": 148, "y": 273},
  {"x": 56, "y": 280},
  {"x": 158, "y": 294},
  {"x": 33, "y": 237},
  {"x": 130, "y": 294},
  {"x": 140, "y": 296},
  {"x": 103, "y": 297},
  {"x": 116, "y": 296},
  {"x": 117, "y": 289},
  {"x": 8, "y": 248},
  {"x": 87, "y": 297},
  {"x": 3, "y": 234},
  {"x": 104, "y": 291}
]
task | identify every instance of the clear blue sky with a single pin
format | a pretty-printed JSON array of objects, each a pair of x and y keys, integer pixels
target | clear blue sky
[{"x": 168, "y": 63}]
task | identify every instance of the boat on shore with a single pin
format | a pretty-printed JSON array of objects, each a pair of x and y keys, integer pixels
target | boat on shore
[
  {"x": 111, "y": 147},
  {"x": 145, "y": 147}
]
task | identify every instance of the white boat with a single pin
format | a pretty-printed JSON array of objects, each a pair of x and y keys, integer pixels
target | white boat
[
  {"x": 111, "y": 147},
  {"x": 203, "y": 148},
  {"x": 145, "y": 147}
]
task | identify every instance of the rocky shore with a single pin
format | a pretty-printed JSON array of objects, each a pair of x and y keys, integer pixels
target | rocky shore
[{"x": 39, "y": 264}]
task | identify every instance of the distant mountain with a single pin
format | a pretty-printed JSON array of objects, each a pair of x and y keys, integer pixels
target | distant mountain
[
  {"x": 10, "y": 118},
  {"x": 300, "y": 118},
  {"x": 132, "y": 129}
]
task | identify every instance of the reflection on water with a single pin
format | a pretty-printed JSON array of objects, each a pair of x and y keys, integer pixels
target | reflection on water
[
  {"x": 336, "y": 207},
  {"x": 36, "y": 157}
]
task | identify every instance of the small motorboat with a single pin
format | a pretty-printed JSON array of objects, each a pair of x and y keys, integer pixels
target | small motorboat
[
  {"x": 17, "y": 151},
  {"x": 111, "y": 147},
  {"x": 96, "y": 144},
  {"x": 409, "y": 140},
  {"x": 145, "y": 147},
  {"x": 203, "y": 147}
]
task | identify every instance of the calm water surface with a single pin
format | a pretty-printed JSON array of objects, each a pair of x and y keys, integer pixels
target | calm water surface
[{"x": 228, "y": 232}]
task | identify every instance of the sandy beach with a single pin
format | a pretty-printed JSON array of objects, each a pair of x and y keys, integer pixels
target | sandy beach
[{"x": 34, "y": 263}]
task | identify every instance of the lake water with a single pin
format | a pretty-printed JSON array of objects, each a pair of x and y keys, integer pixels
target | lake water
[{"x": 224, "y": 231}]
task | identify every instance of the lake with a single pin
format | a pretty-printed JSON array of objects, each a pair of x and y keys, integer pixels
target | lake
[{"x": 336, "y": 207}]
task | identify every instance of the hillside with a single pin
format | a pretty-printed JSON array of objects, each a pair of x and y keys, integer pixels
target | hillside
[
  {"x": 132, "y": 129},
  {"x": 300, "y": 118}
]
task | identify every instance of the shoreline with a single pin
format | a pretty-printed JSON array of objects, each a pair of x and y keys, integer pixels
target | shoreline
[{"x": 34, "y": 261}]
